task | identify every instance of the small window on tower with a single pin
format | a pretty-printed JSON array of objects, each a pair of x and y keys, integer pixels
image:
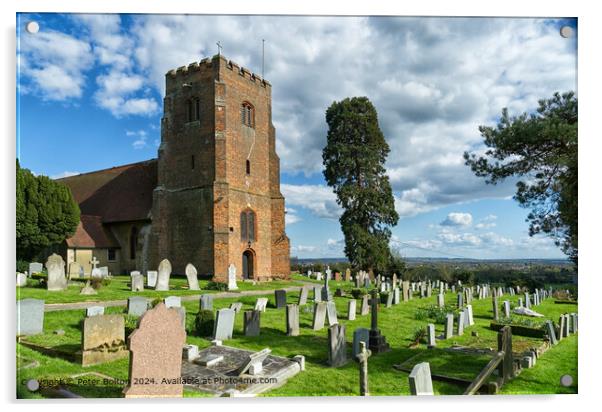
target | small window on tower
[
  {"x": 189, "y": 111},
  {"x": 247, "y": 114},
  {"x": 197, "y": 108},
  {"x": 248, "y": 167},
  {"x": 192, "y": 162}
]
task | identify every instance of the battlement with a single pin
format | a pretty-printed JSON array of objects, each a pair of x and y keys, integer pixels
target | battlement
[{"x": 209, "y": 64}]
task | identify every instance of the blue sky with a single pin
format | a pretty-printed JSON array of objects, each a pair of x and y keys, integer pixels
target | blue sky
[{"x": 90, "y": 90}]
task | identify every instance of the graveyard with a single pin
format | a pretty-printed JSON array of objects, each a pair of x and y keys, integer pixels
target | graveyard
[{"x": 308, "y": 332}]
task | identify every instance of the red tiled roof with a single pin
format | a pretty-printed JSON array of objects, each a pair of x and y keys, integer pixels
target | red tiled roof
[
  {"x": 120, "y": 194},
  {"x": 91, "y": 233}
]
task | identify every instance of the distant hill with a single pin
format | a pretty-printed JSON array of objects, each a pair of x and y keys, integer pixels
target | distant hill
[{"x": 412, "y": 261}]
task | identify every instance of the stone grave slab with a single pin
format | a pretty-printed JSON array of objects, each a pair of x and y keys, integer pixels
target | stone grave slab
[{"x": 30, "y": 317}]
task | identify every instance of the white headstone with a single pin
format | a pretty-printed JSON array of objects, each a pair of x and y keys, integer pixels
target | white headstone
[
  {"x": 151, "y": 278},
  {"x": 164, "y": 274},
  {"x": 232, "y": 277},
  {"x": 56, "y": 273},
  {"x": 191, "y": 275},
  {"x": 21, "y": 279}
]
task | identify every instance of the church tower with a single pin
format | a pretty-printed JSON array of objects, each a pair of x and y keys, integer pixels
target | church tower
[{"x": 217, "y": 200}]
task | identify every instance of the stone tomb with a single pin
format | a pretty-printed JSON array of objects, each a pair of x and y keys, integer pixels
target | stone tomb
[
  {"x": 164, "y": 275},
  {"x": 191, "y": 276},
  {"x": 30, "y": 317},
  {"x": 103, "y": 339},
  {"x": 156, "y": 354},
  {"x": 420, "y": 380},
  {"x": 232, "y": 375},
  {"x": 56, "y": 273},
  {"x": 224, "y": 324}
]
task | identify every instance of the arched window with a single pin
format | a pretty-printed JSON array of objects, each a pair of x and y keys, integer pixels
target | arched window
[
  {"x": 247, "y": 114},
  {"x": 133, "y": 242},
  {"x": 247, "y": 226},
  {"x": 248, "y": 164}
]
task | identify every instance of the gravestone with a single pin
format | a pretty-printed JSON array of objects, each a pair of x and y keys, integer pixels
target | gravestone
[
  {"x": 365, "y": 309},
  {"x": 405, "y": 291},
  {"x": 103, "y": 339},
  {"x": 496, "y": 309},
  {"x": 449, "y": 326},
  {"x": 253, "y": 365},
  {"x": 280, "y": 296},
  {"x": 30, "y": 317},
  {"x": 21, "y": 279},
  {"x": 104, "y": 271},
  {"x": 137, "y": 281},
  {"x": 469, "y": 315},
  {"x": 461, "y": 324},
  {"x": 440, "y": 300},
  {"x": 292, "y": 320},
  {"x": 389, "y": 300},
  {"x": 75, "y": 270},
  {"x": 362, "y": 358},
  {"x": 337, "y": 346},
  {"x": 236, "y": 306},
  {"x": 35, "y": 267},
  {"x": 347, "y": 275},
  {"x": 173, "y": 301},
  {"x": 574, "y": 323},
  {"x": 506, "y": 309},
  {"x": 191, "y": 276},
  {"x": 232, "y": 277},
  {"x": 56, "y": 273},
  {"x": 95, "y": 310},
  {"x": 378, "y": 342},
  {"x": 302, "y": 296},
  {"x": 331, "y": 311},
  {"x": 430, "y": 335},
  {"x": 163, "y": 277},
  {"x": 151, "y": 278},
  {"x": 206, "y": 302},
  {"x": 396, "y": 296},
  {"x": 319, "y": 315},
  {"x": 252, "y": 319},
  {"x": 137, "y": 305},
  {"x": 561, "y": 328},
  {"x": 460, "y": 301},
  {"x": 326, "y": 295},
  {"x": 567, "y": 328},
  {"x": 317, "y": 294},
  {"x": 360, "y": 335},
  {"x": 351, "y": 309},
  {"x": 261, "y": 304},
  {"x": 95, "y": 273},
  {"x": 224, "y": 324},
  {"x": 420, "y": 380},
  {"x": 527, "y": 300},
  {"x": 156, "y": 355}
]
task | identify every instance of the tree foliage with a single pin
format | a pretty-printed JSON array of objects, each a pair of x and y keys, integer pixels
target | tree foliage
[
  {"x": 354, "y": 159},
  {"x": 541, "y": 150},
  {"x": 46, "y": 213}
]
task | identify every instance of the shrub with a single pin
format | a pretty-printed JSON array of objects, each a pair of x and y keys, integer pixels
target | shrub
[
  {"x": 419, "y": 336},
  {"x": 216, "y": 286},
  {"x": 357, "y": 293},
  {"x": 131, "y": 323},
  {"x": 204, "y": 322},
  {"x": 22, "y": 266},
  {"x": 421, "y": 314}
]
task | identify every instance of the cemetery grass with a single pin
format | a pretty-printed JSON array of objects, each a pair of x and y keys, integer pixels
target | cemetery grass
[
  {"x": 119, "y": 289},
  {"x": 397, "y": 323}
]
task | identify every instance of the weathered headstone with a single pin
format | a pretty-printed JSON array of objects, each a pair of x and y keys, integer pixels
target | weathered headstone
[
  {"x": 173, "y": 301},
  {"x": 430, "y": 335},
  {"x": 56, "y": 273},
  {"x": 574, "y": 325},
  {"x": 191, "y": 276},
  {"x": 95, "y": 310},
  {"x": 360, "y": 335},
  {"x": 104, "y": 271},
  {"x": 137, "y": 305},
  {"x": 319, "y": 315},
  {"x": 95, "y": 273},
  {"x": 156, "y": 355},
  {"x": 396, "y": 296},
  {"x": 292, "y": 320},
  {"x": 317, "y": 294},
  {"x": 449, "y": 326},
  {"x": 103, "y": 339},
  {"x": 137, "y": 281},
  {"x": 302, "y": 296},
  {"x": 35, "y": 267},
  {"x": 164, "y": 275},
  {"x": 261, "y": 304},
  {"x": 469, "y": 315},
  {"x": 561, "y": 330},
  {"x": 280, "y": 297},
  {"x": 362, "y": 358},
  {"x": 365, "y": 309},
  {"x": 389, "y": 300},
  {"x": 337, "y": 346},
  {"x": 151, "y": 278},
  {"x": 21, "y": 279},
  {"x": 420, "y": 380},
  {"x": 331, "y": 312},
  {"x": 460, "y": 301},
  {"x": 30, "y": 317},
  {"x": 232, "y": 277},
  {"x": 351, "y": 309},
  {"x": 440, "y": 300},
  {"x": 75, "y": 270},
  {"x": 405, "y": 291},
  {"x": 496, "y": 308},
  {"x": 224, "y": 324},
  {"x": 527, "y": 300},
  {"x": 252, "y": 319},
  {"x": 506, "y": 309},
  {"x": 236, "y": 306},
  {"x": 461, "y": 324},
  {"x": 347, "y": 275},
  {"x": 206, "y": 302}
]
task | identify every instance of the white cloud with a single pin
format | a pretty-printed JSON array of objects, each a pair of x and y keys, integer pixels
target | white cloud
[
  {"x": 457, "y": 219},
  {"x": 61, "y": 175},
  {"x": 291, "y": 216},
  {"x": 318, "y": 199},
  {"x": 141, "y": 137}
]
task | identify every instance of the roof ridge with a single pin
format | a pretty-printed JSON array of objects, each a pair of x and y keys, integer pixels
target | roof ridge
[{"x": 107, "y": 169}]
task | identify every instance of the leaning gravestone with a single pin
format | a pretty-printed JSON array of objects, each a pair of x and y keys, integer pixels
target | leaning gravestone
[
  {"x": 360, "y": 335},
  {"x": 191, "y": 275},
  {"x": 319, "y": 315},
  {"x": 280, "y": 296},
  {"x": 430, "y": 335},
  {"x": 232, "y": 277},
  {"x": 302, "y": 296},
  {"x": 30, "y": 317},
  {"x": 206, "y": 302},
  {"x": 337, "y": 346},
  {"x": 164, "y": 274},
  {"x": 35, "y": 267},
  {"x": 103, "y": 339},
  {"x": 449, "y": 326},
  {"x": 95, "y": 311},
  {"x": 236, "y": 306},
  {"x": 21, "y": 279},
  {"x": 137, "y": 305},
  {"x": 224, "y": 324},
  {"x": 56, "y": 273},
  {"x": 317, "y": 294},
  {"x": 151, "y": 278},
  {"x": 420, "y": 380},
  {"x": 292, "y": 320},
  {"x": 137, "y": 281},
  {"x": 365, "y": 309},
  {"x": 331, "y": 311},
  {"x": 252, "y": 319},
  {"x": 261, "y": 304},
  {"x": 156, "y": 355}
]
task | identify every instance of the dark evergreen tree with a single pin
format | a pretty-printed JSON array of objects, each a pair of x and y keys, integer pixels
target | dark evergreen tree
[
  {"x": 540, "y": 149},
  {"x": 354, "y": 159}
]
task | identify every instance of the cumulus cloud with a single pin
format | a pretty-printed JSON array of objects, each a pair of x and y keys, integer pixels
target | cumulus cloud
[
  {"x": 319, "y": 199},
  {"x": 457, "y": 219},
  {"x": 140, "y": 136},
  {"x": 487, "y": 222},
  {"x": 291, "y": 216}
]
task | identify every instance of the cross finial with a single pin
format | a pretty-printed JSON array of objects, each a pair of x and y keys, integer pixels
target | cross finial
[
  {"x": 94, "y": 262},
  {"x": 219, "y": 48}
]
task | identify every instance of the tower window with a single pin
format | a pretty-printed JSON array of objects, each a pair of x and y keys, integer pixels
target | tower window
[
  {"x": 247, "y": 114},
  {"x": 247, "y": 226},
  {"x": 193, "y": 109},
  {"x": 248, "y": 167},
  {"x": 192, "y": 162}
]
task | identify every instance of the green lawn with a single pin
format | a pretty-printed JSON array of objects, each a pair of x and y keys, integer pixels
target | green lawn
[
  {"x": 397, "y": 323},
  {"x": 119, "y": 289}
]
